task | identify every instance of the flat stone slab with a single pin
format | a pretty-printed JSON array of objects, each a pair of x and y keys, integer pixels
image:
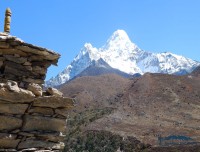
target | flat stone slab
[
  {"x": 43, "y": 52},
  {"x": 54, "y": 102},
  {"x": 9, "y": 143},
  {"x": 12, "y": 52},
  {"x": 13, "y": 108},
  {"x": 34, "y": 123},
  {"x": 62, "y": 111},
  {"x": 43, "y": 110},
  {"x": 9, "y": 123},
  {"x": 54, "y": 137},
  {"x": 17, "y": 97},
  {"x": 40, "y": 144}
]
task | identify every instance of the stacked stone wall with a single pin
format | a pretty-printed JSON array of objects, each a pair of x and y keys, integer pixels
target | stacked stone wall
[
  {"x": 23, "y": 62},
  {"x": 32, "y": 123}
]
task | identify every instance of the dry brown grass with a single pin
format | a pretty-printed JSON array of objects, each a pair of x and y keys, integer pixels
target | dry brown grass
[{"x": 147, "y": 107}]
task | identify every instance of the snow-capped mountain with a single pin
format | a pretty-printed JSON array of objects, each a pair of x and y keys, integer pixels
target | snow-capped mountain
[{"x": 122, "y": 54}]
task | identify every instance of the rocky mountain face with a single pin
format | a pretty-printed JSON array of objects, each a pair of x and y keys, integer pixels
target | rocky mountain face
[
  {"x": 100, "y": 67},
  {"x": 196, "y": 71},
  {"x": 153, "y": 108},
  {"x": 120, "y": 53},
  {"x": 94, "y": 91}
]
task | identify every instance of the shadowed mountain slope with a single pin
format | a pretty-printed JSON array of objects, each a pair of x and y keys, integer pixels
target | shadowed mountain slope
[{"x": 100, "y": 67}]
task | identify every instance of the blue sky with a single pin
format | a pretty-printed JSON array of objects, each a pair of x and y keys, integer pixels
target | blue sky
[{"x": 65, "y": 25}]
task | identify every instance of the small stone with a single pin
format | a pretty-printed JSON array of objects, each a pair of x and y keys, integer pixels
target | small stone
[
  {"x": 2, "y": 85},
  {"x": 54, "y": 92},
  {"x": 33, "y": 150},
  {"x": 27, "y": 63},
  {"x": 12, "y": 86},
  {"x": 35, "y": 88},
  {"x": 22, "y": 85}
]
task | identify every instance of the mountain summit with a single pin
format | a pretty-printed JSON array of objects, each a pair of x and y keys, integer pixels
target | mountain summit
[
  {"x": 119, "y": 41},
  {"x": 122, "y": 54}
]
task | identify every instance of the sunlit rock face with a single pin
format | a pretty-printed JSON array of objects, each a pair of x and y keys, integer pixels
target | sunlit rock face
[{"x": 122, "y": 54}]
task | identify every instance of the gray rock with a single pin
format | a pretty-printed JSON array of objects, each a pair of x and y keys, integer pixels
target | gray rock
[
  {"x": 39, "y": 143},
  {"x": 54, "y": 137},
  {"x": 33, "y": 123},
  {"x": 10, "y": 123},
  {"x": 2, "y": 85},
  {"x": 9, "y": 143},
  {"x": 8, "y": 140},
  {"x": 39, "y": 70},
  {"x": 27, "y": 63},
  {"x": 16, "y": 97},
  {"x": 13, "y": 108},
  {"x": 12, "y": 86},
  {"x": 35, "y": 88},
  {"x": 62, "y": 111},
  {"x": 41, "y": 110},
  {"x": 15, "y": 59},
  {"x": 54, "y": 102},
  {"x": 54, "y": 92},
  {"x": 33, "y": 80},
  {"x": 4, "y": 45}
]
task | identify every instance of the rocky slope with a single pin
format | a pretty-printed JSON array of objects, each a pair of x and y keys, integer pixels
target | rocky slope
[
  {"x": 94, "y": 92},
  {"x": 151, "y": 108},
  {"x": 100, "y": 67},
  {"x": 120, "y": 53}
]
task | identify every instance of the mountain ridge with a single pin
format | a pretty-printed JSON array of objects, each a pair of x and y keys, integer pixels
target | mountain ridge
[
  {"x": 100, "y": 67},
  {"x": 120, "y": 53}
]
